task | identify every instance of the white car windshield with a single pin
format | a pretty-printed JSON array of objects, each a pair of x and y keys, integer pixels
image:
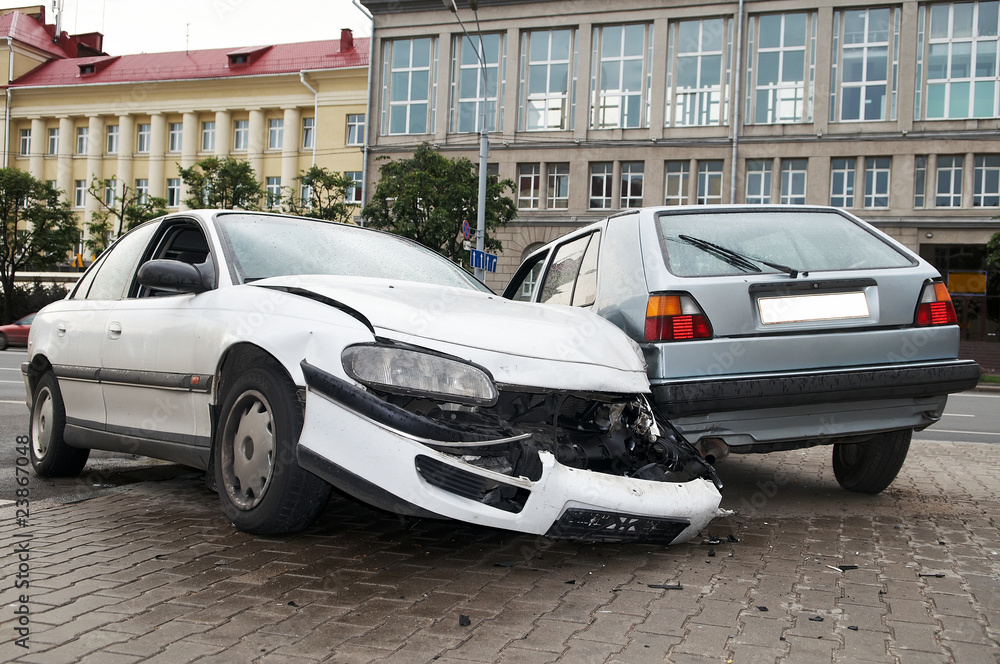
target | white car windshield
[
  {"x": 262, "y": 246},
  {"x": 750, "y": 241}
]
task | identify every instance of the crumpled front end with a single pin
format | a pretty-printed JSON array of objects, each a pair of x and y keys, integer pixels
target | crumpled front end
[{"x": 587, "y": 466}]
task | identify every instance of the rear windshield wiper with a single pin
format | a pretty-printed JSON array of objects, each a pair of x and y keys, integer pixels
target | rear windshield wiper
[{"x": 735, "y": 258}]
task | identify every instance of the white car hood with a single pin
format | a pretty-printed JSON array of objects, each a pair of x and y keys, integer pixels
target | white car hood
[{"x": 520, "y": 343}]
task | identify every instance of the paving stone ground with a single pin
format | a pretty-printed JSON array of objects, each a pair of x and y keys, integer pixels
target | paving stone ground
[{"x": 154, "y": 573}]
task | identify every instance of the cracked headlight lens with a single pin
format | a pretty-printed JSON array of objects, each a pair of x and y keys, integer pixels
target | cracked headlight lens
[{"x": 406, "y": 371}]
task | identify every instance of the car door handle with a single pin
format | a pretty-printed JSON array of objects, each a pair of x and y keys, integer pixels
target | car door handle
[{"x": 114, "y": 330}]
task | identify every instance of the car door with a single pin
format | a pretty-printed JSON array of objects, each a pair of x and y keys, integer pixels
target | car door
[
  {"x": 157, "y": 395},
  {"x": 73, "y": 330}
]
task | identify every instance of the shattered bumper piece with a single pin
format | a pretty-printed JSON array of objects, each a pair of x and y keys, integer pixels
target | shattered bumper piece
[{"x": 404, "y": 463}]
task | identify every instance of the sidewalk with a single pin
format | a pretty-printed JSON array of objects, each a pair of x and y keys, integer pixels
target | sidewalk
[{"x": 154, "y": 573}]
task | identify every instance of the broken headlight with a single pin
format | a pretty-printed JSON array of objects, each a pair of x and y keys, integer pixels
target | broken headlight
[{"x": 407, "y": 371}]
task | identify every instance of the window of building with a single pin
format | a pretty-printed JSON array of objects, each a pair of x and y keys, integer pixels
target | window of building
[
  {"x": 601, "y": 176},
  {"x": 275, "y": 133},
  {"x": 949, "y": 182},
  {"x": 528, "y": 186},
  {"x": 173, "y": 192},
  {"x": 632, "y": 176},
  {"x": 842, "y": 182},
  {"x": 25, "y": 142},
  {"x": 793, "y": 181},
  {"x": 781, "y": 70},
  {"x": 470, "y": 95},
  {"x": 306, "y": 196},
  {"x": 987, "y": 181},
  {"x": 272, "y": 188},
  {"x": 558, "y": 186},
  {"x": 961, "y": 60},
  {"x": 110, "y": 192},
  {"x": 698, "y": 71},
  {"x": 175, "y": 136},
  {"x": 111, "y": 144},
  {"x": 758, "y": 181},
  {"x": 548, "y": 75},
  {"x": 676, "y": 185},
  {"x": 919, "y": 181},
  {"x": 142, "y": 191},
  {"x": 865, "y": 64},
  {"x": 621, "y": 79},
  {"x": 82, "y": 134},
  {"x": 208, "y": 136},
  {"x": 143, "y": 134},
  {"x": 79, "y": 193},
  {"x": 710, "y": 182},
  {"x": 353, "y": 194},
  {"x": 409, "y": 85},
  {"x": 877, "y": 171},
  {"x": 309, "y": 133},
  {"x": 241, "y": 135},
  {"x": 54, "y": 141}
]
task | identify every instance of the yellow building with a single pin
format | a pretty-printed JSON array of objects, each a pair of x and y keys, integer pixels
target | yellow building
[{"x": 73, "y": 114}]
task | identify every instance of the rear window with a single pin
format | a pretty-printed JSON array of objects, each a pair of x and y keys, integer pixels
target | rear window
[{"x": 745, "y": 241}]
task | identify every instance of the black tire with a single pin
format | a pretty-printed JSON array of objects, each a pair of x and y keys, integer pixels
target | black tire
[
  {"x": 50, "y": 455},
  {"x": 3, "y": 341},
  {"x": 262, "y": 488},
  {"x": 871, "y": 466}
]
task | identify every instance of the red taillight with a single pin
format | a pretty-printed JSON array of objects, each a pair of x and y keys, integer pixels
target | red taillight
[
  {"x": 675, "y": 318},
  {"x": 935, "y": 306}
]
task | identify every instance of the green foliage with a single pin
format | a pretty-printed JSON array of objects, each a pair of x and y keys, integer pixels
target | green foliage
[
  {"x": 224, "y": 184},
  {"x": 993, "y": 251},
  {"x": 125, "y": 213},
  {"x": 29, "y": 298},
  {"x": 328, "y": 196},
  {"x": 37, "y": 230},
  {"x": 427, "y": 197}
]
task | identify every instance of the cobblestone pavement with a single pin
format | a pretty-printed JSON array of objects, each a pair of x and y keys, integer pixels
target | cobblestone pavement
[{"x": 152, "y": 572}]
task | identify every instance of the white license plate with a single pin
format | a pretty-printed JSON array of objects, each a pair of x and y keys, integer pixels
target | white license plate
[{"x": 803, "y": 308}]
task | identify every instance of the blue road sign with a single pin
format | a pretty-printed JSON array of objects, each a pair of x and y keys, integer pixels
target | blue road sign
[
  {"x": 466, "y": 229},
  {"x": 484, "y": 261}
]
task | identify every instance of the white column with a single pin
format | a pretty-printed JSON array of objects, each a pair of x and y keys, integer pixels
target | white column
[
  {"x": 190, "y": 140},
  {"x": 39, "y": 144},
  {"x": 256, "y": 143},
  {"x": 157, "y": 154},
  {"x": 223, "y": 133},
  {"x": 95, "y": 148},
  {"x": 64, "y": 167},
  {"x": 126, "y": 142},
  {"x": 290, "y": 149}
]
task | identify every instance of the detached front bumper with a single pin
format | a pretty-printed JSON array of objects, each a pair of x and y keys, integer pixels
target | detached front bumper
[{"x": 392, "y": 459}]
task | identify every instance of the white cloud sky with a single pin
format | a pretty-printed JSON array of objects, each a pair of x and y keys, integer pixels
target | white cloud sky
[{"x": 151, "y": 26}]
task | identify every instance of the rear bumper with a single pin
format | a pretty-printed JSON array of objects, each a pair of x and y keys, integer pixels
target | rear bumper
[{"x": 684, "y": 398}]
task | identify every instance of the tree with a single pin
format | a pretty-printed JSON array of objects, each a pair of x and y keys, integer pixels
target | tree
[
  {"x": 327, "y": 195},
  {"x": 123, "y": 213},
  {"x": 38, "y": 230},
  {"x": 427, "y": 197},
  {"x": 993, "y": 251},
  {"x": 225, "y": 184}
]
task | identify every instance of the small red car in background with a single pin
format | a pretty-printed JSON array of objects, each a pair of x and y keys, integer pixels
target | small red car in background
[{"x": 16, "y": 334}]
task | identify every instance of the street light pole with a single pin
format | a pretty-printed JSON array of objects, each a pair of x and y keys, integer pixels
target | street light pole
[{"x": 484, "y": 136}]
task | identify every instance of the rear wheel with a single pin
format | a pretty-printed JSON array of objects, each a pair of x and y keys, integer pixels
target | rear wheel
[
  {"x": 261, "y": 485},
  {"x": 50, "y": 455},
  {"x": 871, "y": 466}
]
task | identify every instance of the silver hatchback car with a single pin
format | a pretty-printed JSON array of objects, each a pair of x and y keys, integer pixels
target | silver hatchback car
[{"x": 770, "y": 328}]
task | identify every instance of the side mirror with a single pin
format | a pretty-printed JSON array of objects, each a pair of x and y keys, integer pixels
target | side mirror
[{"x": 176, "y": 276}]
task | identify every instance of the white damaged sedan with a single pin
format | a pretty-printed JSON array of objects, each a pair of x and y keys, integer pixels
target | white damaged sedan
[{"x": 286, "y": 355}]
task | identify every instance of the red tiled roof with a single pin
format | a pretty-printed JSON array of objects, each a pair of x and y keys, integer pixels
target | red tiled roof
[
  {"x": 209, "y": 63},
  {"x": 27, "y": 30}
]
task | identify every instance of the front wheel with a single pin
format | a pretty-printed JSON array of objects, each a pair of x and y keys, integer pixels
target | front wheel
[
  {"x": 50, "y": 455},
  {"x": 3, "y": 341},
  {"x": 261, "y": 485},
  {"x": 871, "y": 466}
]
